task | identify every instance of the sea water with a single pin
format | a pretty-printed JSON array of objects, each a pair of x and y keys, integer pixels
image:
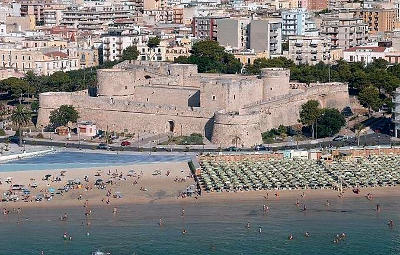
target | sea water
[
  {"x": 212, "y": 228},
  {"x": 72, "y": 159}
]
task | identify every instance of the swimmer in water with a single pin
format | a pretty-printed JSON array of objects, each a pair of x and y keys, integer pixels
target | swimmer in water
[
  {"x": 327, "y": 203},
  {"x": 390, "y": 224},
  {"x": 304, "y": 207},
  {"x": 306, "y": 234},
  {"x": 183, "y": 212},
  {"x": 114, "y": 210},
  {"x": 160, "y": 223},
  {"x": 248, "y": 225},
  {"x": 378, "y": 208},
  {"x": 290, "y": 237},
  {"x": 259, "y": 229},
  {"x": 184, "y": 231},
  {"x": 297, "y": 202}
]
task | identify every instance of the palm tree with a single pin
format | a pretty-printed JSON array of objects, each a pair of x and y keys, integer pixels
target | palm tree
[
  {"x": 358, "y": 128},
  {"x": 20, "y": 117}
]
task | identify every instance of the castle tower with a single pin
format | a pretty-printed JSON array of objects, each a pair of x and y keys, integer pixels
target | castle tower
[{"x": 275, "y": 82}]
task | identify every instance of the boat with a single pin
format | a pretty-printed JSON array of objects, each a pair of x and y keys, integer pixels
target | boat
[{"x": 100, "y": 253}]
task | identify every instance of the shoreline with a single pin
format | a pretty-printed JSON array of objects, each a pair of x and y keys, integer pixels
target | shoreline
[{"x": 221, "y": 198}]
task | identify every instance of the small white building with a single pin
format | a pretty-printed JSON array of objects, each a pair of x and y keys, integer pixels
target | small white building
[
  {"x": 365, "y": 54},
  {"x": 87, "y": 128}
]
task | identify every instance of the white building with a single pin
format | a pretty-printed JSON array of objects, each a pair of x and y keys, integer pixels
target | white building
[
  {"x": 297, "y": 22},
  {"x": 114, "y": 45},
  {"x": 365, "y": 54}
]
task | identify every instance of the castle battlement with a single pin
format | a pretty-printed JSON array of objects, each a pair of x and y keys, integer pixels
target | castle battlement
[{"x": 160, "y": 97}]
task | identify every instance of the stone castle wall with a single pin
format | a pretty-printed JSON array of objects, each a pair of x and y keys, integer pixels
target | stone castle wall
[
  {"x": 232, "y": 128},
  {"x": 152, "y": 98}
]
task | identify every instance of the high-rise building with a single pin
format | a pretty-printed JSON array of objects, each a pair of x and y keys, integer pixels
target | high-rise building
[
  {"x": 344, "y": 30},
  {"x": 233, "y": 32},
  {"x": 379, "y": 20},
  {"x": 265, "y": 36},
  {"x": 309, "y": 49},
  {"x": 297, "y": 22}
]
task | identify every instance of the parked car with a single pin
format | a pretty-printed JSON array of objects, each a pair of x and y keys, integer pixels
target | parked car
[
  {"x": 103, "y": 146},
  {"x": 233, "y": 148},
  {"x": 126, "y": 143},
  {"x": 339, "y": 138},
  {"x": 260, "y": 148},
  {"x": 13, "y": 139}
]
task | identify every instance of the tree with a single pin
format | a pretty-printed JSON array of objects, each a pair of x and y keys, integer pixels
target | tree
[
  {"x": 20, "y": 117},
  {"x": 309, "y": 113},
  {"x": 130, "y": 53},
  {"x": 153, "y": 42},
  {"x": 330, "y": 122},
  {"x": 369, "y": 97},
  {"x": 16, "y": 88},
  {"x": 210, "y": 57},
  {"x": 63, "y": 115}
]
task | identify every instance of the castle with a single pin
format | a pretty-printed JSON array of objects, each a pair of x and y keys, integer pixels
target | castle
[{"x": 158, "y": 97}]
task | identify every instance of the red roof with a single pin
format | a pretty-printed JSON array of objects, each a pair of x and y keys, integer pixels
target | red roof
[
  {"x": 56, "y": 54},
  {"x": 372, "y": 48}
]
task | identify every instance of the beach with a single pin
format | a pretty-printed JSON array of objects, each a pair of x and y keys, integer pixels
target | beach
[
  {"x": 124, "y": 217},
  {"x": 154, "y": 187},
  {"x": 151, "y": 188}
]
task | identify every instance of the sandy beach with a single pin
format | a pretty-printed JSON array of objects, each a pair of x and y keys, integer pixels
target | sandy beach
[{"x": 145, "y": 187}]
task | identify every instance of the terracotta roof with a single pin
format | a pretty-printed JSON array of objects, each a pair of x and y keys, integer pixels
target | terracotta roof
[
  {"x": 56, "y": 54},
  {"x": 372, "y": 48}
]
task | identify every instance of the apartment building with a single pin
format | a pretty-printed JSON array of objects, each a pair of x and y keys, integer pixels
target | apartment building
[
  {"x": 317, "y": 5},
  {"x": 297, "y": 22},
  {"x": 265, "y": 36},
  {"x": 344, "y": 29},
  {"x": 205, "y": 28},
  {"x": 42, "y": 62},
  {"x": 309, "y": 50},
  {"x": 115, "y": 43},
  {"x": 158, "y": 16},
  {"x": 95, "y": 18},
  {"x": 379, "y": 20},
  {"x": 52, "y": 17},
  {"x": 88, "y": 57},
  {"x": 233, "y": 32}
]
